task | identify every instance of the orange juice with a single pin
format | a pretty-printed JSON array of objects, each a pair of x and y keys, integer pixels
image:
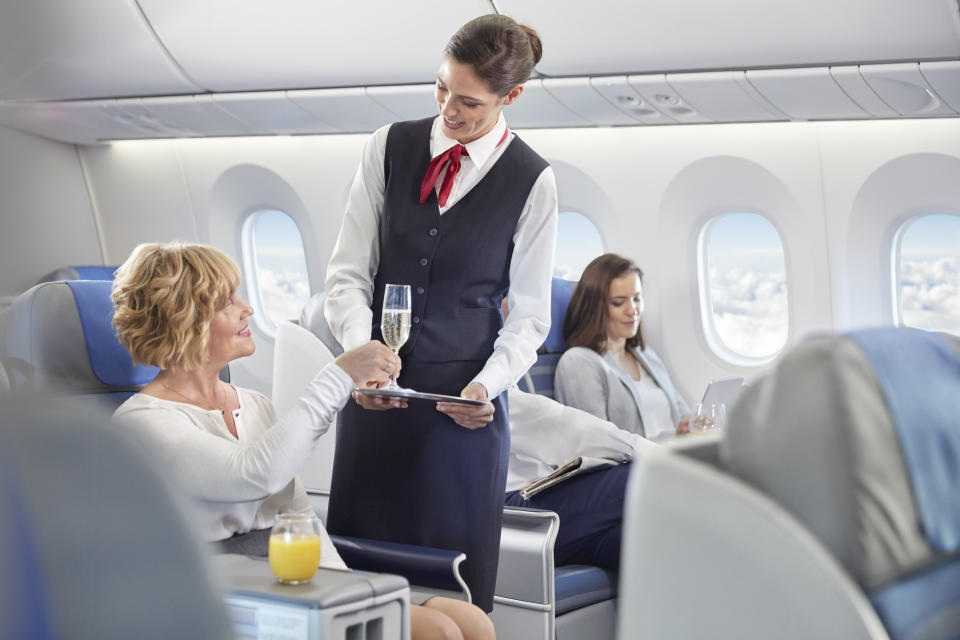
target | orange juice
[{"x": 294, "y": 556}]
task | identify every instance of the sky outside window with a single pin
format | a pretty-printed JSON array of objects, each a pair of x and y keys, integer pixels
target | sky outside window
[
  {"x": 578, "y": 243},
  {"x": 747, "y": 284},
  {"x": 281, "y": 266},
  {"x": 930, "y": 273}
]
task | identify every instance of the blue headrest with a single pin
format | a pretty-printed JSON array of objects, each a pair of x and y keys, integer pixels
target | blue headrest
[
  {"x": 98, "y": 272},
  {"x": 560, "y": 292},
  {"x": 110, "y": 361},
  {"x": 86, "y": 272},
  {"x": 919, "y": 375}
]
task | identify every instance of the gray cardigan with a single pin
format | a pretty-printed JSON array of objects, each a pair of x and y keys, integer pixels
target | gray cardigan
[{"x": 597, "y": 384}]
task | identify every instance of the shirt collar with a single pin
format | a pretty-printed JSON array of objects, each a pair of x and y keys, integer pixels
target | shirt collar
[{"x": 480, "y": 149}]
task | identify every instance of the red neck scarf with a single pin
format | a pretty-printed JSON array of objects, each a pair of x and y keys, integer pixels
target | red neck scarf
[{"x": 451, "y": 155}]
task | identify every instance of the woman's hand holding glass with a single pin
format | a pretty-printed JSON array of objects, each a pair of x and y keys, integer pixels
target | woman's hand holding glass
[
  {"x": 370, "y": 366},
  {"x": 707, "y": 417}
]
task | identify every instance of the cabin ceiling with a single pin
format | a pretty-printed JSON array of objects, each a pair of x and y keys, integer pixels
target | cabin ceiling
[{"x": 113, "y": 69}]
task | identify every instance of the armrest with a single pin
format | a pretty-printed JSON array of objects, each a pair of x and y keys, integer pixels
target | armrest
[
  {"x": 706, "y": 555},
  {"x": 421, "y": 566},
  {"x": 704, "y": 447},
  {"x": 525, "y": 572}
]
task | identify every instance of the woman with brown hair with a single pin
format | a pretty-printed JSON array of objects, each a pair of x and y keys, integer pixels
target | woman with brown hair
[
  {"x": 461, "y": 209},
  {"x": 608, "y": 369}
]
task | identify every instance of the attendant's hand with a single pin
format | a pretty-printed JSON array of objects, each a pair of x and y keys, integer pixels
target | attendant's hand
[
  {"x": 370, "y": 366},
  {"x": 684, "y": 427},
  {"x": 465, "y": 415}
]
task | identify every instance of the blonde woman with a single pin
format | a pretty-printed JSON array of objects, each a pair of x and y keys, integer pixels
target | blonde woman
[{"x": 176, "y": 307}]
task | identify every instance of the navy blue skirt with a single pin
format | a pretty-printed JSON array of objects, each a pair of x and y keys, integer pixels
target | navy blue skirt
[{"x": 415, "y": 476}]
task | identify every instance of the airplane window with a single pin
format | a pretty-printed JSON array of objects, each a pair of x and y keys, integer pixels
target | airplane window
[
  {"x": 929, "y": 273},
  {"x": 743, "y": 287},
  {"x": 578, "y": 242},
  {"x": 276, "y": 268}
]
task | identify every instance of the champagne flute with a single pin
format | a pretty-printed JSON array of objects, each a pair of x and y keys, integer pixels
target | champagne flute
[{"x": 395, "y": 320}]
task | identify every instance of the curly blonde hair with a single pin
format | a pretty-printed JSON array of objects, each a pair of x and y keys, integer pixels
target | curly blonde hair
[{"x": 165, "y": 296}]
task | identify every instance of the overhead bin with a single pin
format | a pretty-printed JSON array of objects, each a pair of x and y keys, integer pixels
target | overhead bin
[
  {"x": 197, "y": 115},
  {"x": 272, "y": 112},
  {"x": 408, "y": 102},
  {"x": 853, "y": 84},
  {"x": 56, "y": 50},
  {"x": 246, "y": 45},
  {"x": 49, "y": 120},
  {"x": 843, "y": 92},
  {"x": 578, "y": 95},
  {"x": 538, "y": 108},
  {"x": 805, "y": 94},
  {"x": 623, "y": 97},
  {"x": 944, "y": 77},
  {"x": 616, "y": 37},
  {"x": 658, "y": 93},
  {"x": 724, "y": 96},
  {"x": 81, "y": 121},
  {"x": 350, "y": 110},
  {"x": 904, "y": 88}
]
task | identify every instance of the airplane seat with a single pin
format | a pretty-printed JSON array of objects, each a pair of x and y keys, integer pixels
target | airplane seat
[
  {"x": 313, "y": 320},
  {"x": 539, "y": 379},
  {"x": 58, "y": 337},
  {"x": 297, "y": 356},
  {"x": 92, "y": 542},
  {"x": 834, "y": 512},
  {"x": 81, "y": 272}
]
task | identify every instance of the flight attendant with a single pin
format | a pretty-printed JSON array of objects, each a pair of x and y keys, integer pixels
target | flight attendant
[{"x": 461, "y": 209}]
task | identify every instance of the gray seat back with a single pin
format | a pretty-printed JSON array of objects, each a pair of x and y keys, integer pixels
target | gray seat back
[
  {"x": 92, "y": 542},
  {"x": 47, "y": 346},
  {"x": 821, "y": 436}
]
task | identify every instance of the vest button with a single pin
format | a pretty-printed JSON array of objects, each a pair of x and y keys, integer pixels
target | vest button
[
  {"x": 416, "y": 319},
  {"x": 420, "y": 290},
  {"x": 423, "y": 262},
  {"x": 434, "y": 231}
]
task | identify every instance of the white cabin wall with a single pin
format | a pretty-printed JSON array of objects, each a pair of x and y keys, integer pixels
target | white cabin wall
[
  {"x": 649, "y": 189},
  {"x": 47, "y": 221},
  {"x": 664, "y": 183},
  {"x": 877, "y": 175}
]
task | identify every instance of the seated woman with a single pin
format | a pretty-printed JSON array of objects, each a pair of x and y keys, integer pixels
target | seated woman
[
  {"x": 608, "y": 370},
  {"x": 176, "y": 307}
]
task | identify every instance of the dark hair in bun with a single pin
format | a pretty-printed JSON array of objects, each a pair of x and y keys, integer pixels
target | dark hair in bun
[{"x": 501, "y": 51}]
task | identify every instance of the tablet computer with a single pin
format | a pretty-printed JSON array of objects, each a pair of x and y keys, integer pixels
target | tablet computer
[{"x": 724, "y": 390}]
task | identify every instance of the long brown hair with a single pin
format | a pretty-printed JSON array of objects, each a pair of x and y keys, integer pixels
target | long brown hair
[
  {"x": 501, "y": 51},
  {"x": 586, "y": 322}
]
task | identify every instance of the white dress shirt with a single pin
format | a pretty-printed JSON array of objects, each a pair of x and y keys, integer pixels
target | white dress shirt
[
  {"x": 545, "y": 434},
  {"x": 356, "y": 257},
  {"x": 240, "y": 484}
]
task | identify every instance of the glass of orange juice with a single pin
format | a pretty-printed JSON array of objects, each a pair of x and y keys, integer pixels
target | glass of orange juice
[{"x": 294, "y": 551}]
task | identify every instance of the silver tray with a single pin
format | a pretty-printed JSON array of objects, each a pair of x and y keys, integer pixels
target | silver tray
[{"x": 410, "y": 394}]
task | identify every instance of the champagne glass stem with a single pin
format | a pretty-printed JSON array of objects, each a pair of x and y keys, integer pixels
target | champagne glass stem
[{"x": 393, "y": 381}]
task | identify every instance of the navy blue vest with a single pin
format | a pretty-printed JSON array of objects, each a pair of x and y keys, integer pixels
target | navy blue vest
[{"x": 457, "y": 264}]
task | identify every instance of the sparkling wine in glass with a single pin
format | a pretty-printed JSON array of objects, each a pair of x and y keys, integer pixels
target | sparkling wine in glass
[{"x": 395, "y": 320}]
